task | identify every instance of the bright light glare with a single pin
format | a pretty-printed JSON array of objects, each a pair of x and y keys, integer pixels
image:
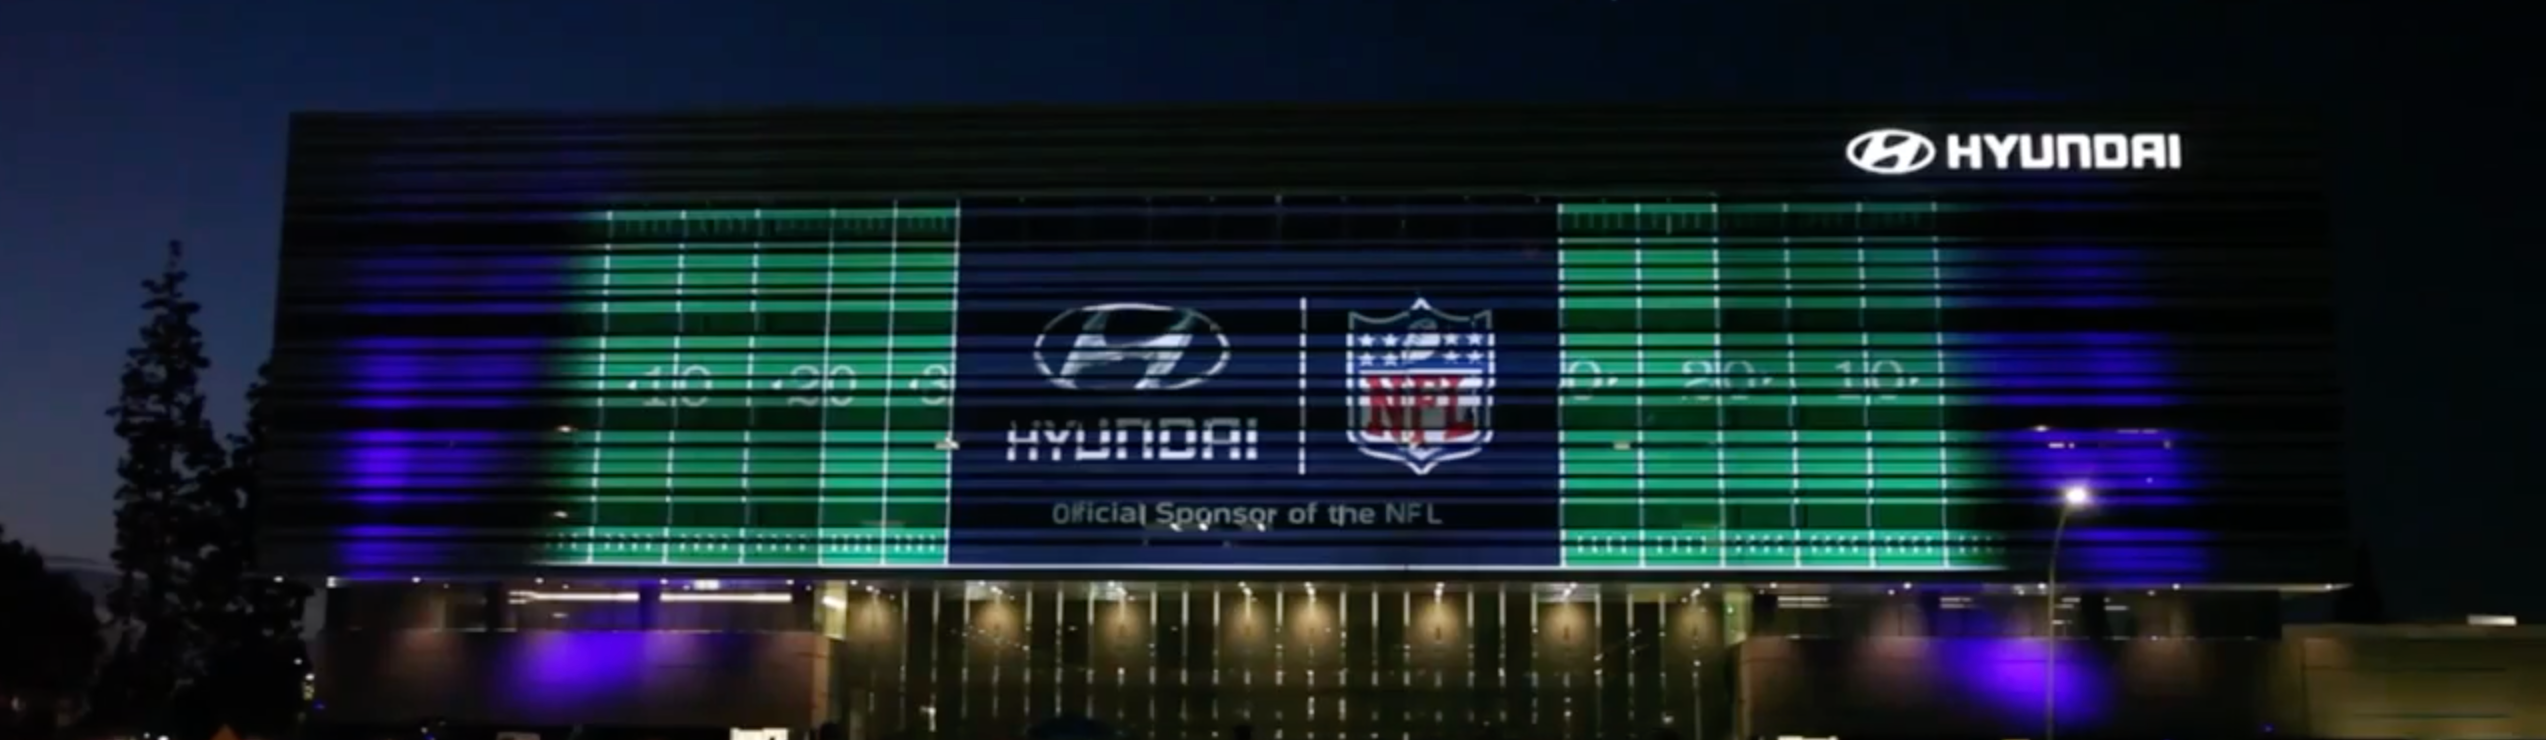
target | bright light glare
[{"x": 2077, "y": 496}]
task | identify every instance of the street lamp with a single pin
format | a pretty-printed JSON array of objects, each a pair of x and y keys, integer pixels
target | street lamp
[{"x": 2076, "y": 497}]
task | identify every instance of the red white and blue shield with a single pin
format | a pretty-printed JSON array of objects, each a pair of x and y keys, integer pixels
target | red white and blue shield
[{"x": 1422, "y": 385}]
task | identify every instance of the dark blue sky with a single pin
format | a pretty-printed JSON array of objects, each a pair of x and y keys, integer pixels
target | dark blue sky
[{"x": 125, "y": 124}]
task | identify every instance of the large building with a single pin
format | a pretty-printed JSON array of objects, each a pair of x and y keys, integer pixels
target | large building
[{"x": 1376, "y": 421}]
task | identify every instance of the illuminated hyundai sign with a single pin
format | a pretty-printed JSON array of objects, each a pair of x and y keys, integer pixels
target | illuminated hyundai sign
[{"x": 1894, "y": 151}]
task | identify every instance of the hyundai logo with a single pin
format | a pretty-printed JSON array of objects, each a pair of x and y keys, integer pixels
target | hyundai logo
[
  {"x": 1891, "y": 151},
  {"x": 1894, "y": 151},
  {"x": 1136, "y": 346}
]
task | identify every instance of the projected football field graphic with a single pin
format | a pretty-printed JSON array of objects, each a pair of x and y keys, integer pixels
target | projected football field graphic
[
  {"x": 1761, "y": 385},
  {"x": 777, "y": 400},
  {"x": 1451, "y": 383},
  {"x": 1473, "y": 340}
]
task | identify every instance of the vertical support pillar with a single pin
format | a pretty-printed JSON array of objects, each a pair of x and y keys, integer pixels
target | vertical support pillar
[
  {"x": 496, "y": 613},
  {"x": 1737, "y": 615},
  {"x": 336, "y": 608},
  {"x": 650, "y": 607},
  {"x": 804, "y": 607},
  {"x": 2095, "y": 622}
]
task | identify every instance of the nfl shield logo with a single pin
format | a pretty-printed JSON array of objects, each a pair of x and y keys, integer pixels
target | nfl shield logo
[{"x": 1422, "y": 383}]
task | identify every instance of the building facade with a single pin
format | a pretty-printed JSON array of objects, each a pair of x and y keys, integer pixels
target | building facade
[{"x": 1323, "y": 420}]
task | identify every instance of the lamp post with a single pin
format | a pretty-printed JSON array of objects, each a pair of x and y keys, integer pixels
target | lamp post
[{"x": 2072, "y": 499}]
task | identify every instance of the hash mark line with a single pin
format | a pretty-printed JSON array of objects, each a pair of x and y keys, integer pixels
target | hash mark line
[
  {"x": 1944, "y": 448},
  {"x": 822, "y": 400},
  {"x": 892, "y": 310},
  {"x": 600, "y": 419},
  {"x": 954, "y": 364},
  {"x": 1723, "y": 396},
  {"x": 751, "y": 381},
  {"x": 672, "y": 436},
  {"x": 1794, "y": 386},
  {"x": 1865, "y": 348},
  {"x": 1642, "y": 557}
]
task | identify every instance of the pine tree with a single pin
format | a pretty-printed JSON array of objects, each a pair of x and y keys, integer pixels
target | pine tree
[
  {"x": 252, "y": 621},
  {"x": 164, "y": 523}
]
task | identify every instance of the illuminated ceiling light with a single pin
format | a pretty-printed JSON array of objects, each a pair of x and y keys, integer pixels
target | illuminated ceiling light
[
  {"x": 605, "y": 596},
  {"x": 2077, "y": 496},
  {"x": 729, "y": 598},
  {"x": 2177, "y": 587},
  {"x": 565, "y": 429}
]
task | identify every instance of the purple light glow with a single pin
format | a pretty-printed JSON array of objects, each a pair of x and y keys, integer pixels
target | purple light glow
[
  {"x": 2010, "y": 675},
  {"x": 2092, "y": 368},
  {"x": 383, "y": 470},
  {"x": 2078, "y": 399},
  {"x": 479, "y": 368},
  {"x": 396, "y": 531},
  {"x": 396, "y": 308},
  {"x": 435, "y": 344},
  {"x": 562, "y": 673},
  {"x": 2129, "y": 470},
  {"x": 2054, "y": 301},
  {"x": 437, "y": 402}
]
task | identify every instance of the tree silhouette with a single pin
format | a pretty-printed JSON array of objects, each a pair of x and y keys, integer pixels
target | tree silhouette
[
  {"x": 49, "y": 640},
  {"x": 207, "y": 639},
  {"x": 251, "y": 623},
  {"x": 161, "y": 526}
]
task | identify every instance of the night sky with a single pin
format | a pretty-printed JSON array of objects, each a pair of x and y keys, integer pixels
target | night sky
[{"x": 123, "y": 125}]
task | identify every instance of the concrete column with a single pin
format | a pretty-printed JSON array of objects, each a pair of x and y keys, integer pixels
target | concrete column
[
  {"x": 803, "y": 605},
  {"x": 649, "y": 607},
  {"x": 2094, "y": 622},
  {"x": 336, "y": 610},
  {"x": 1737, "y": 615},
  {"x": 496, "y": 613}
]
